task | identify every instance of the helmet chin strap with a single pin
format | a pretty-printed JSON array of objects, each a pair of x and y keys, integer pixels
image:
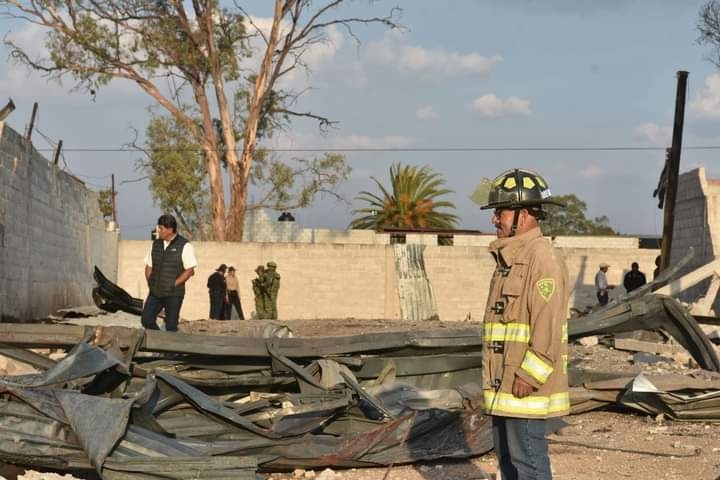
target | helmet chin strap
[{"x": 516, "y": 217}]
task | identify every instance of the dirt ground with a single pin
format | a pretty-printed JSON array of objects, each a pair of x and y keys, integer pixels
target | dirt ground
[{"x": 600, "y": 444}]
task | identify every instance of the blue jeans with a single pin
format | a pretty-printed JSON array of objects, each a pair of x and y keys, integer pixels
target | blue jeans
[
  {"x": 521, "y": 448},
  {"x": 154, "y": 305}
]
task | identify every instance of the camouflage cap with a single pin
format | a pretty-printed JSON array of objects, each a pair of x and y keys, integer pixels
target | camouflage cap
[{"x": 271, "y": 265}]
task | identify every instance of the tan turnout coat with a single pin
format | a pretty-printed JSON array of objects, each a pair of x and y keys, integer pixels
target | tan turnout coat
[{"x": 525, "y": 328}]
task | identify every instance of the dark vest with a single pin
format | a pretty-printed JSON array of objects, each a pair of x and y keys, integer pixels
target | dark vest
[{"x": 166, "y": 267}]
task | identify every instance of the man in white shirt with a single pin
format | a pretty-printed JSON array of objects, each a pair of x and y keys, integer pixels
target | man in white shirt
[
  {"x": 601, "y": 284},
  {"x": 168, "y": 265}
]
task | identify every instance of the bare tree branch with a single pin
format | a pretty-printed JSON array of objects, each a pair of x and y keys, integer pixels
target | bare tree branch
[
  {"x": 324, "y": 122},
  {"x": 258, "y": 30}
]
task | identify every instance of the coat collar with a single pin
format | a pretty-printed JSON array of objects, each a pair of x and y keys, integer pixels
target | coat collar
[{"x": 509, "y": 250}]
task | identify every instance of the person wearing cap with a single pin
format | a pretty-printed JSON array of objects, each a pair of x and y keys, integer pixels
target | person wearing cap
[
  {"x": 233, "y": 296},
  {"x": 217, "y": 292},
  {"x": 271, "y": 284},
  {"x": 602, "y": 287},
  {"x": 258, "y": 291},
  {"x": 524, "y": 360},
  {"x": 168, "y": 265}
]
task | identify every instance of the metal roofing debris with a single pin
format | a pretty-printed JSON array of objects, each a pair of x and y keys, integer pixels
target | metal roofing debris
[
  {"x": 678, "y": 397},
  {"x": 649, "y": 312},
  {"x": 112, "y": 298},
  {"x": 234, "y": 403}
]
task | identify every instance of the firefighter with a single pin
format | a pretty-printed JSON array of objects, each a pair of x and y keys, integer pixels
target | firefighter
[{"x": 525, "y": 327}]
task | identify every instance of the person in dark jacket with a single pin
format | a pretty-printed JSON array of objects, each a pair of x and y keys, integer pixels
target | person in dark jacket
[
  {"x": 634, "y": 278},
  {"x": 168, "y": 265},
  {"x": 217, "y": 290}
]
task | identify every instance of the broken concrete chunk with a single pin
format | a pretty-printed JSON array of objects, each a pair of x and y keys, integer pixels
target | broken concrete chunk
[
  {"x": 588, "y": 341},
  {"x": 8, "y": 366},
  {"x": 33, "y": 475},
  {"x": 327, "y": 474},
  {"x": 712, "y": 332},
  {"x": 632, "y": 345}
]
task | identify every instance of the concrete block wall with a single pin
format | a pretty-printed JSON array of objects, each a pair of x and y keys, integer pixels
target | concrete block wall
[
  {"x": 317, "y": 281},
  {"x": 349, "y": 237},
  {"x": 51, "y": 234},
  {"x": 696, "y": 224},
  {"x": 473, "y": 240},
  {"x": 325, "y": 281},
  {"x": 596, "y": 242},
  {"x": 260, "y": 227}
]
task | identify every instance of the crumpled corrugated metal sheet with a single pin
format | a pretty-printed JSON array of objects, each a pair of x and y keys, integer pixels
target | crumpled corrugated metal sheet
[
  {"x": 648, "y": 312},
  {"x": 678, "y": 397},
  {"x": 284, "y": 403}
]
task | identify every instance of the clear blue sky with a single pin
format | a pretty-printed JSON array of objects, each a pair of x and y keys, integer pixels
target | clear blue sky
[{"x": 465, "y": 73}]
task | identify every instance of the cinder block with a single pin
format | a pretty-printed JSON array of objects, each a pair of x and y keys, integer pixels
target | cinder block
[{"x": 45, "y": 212}]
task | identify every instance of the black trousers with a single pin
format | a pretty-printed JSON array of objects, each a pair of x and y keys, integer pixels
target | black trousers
[
  {"x": 234, "y": 302},
  {"x": 217, "y": 304},
  {"x": 603, "y": 298},
  {"x": 154, "y": 305}
]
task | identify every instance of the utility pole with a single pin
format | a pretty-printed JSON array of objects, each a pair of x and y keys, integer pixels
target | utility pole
[
  {"x": 673, "y": 169},
  {"x": 7, "y": 110},
  {"x": 112, "y": 196}
]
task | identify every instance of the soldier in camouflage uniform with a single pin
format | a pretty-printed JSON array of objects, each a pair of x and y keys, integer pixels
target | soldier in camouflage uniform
[
  {"x": 271, "y": 282},
  {"x": 258, "y": 291}
]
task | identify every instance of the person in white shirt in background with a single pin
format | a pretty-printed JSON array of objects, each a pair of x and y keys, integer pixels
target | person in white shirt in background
[{"x": 602, "y": 287}]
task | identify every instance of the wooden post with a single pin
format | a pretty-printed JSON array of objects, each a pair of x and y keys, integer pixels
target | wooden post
[
  {"x": 57, "y": 152},
  {"x": 112, "y": 196},
  {"x": 673, "y": 169},
  {"x": 31, "y": 127},
  {"x": 7, "y": 109}
]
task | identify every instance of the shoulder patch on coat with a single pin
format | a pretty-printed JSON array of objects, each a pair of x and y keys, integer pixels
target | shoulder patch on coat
[{"x": 546, "y": 287}]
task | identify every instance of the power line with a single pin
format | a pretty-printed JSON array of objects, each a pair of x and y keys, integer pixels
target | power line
[
  {"x": 410, "y": 149},
  {"x": 101, "y": 177}
]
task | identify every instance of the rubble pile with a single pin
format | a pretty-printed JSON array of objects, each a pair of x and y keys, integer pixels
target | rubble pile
[
  {"x": 129, "y": 403},
  {"x": 95, "y": 392}
]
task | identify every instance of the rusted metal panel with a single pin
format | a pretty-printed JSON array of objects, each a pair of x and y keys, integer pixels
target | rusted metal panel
[{"x": 416, "y": 298}]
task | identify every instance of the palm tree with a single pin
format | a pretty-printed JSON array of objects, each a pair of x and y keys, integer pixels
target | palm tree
[{"x": 411, "y": 201}]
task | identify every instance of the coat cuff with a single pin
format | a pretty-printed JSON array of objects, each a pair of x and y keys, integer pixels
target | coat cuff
[{"x": 536, "y": 368}]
